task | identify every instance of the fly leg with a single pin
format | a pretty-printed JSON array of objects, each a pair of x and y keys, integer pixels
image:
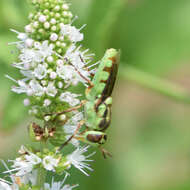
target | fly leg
[
  {"x": 105, "y": 153},
  {"x": 72, "y": 136}
]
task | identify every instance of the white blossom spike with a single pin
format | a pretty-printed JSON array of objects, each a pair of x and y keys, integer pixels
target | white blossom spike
[
  {"x": 7, "y": 76},
  {"x": 78, "y": 160},
  {"x": 59, "y": 185},
  {"x": 74, "y": 19},
  {"x": 82, "y": 27}
]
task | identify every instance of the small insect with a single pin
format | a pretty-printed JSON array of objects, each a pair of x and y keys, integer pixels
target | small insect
[{"x": 97, "y": 107}]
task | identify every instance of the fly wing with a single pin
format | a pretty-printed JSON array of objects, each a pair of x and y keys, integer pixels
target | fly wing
[
  {"x": 110, "y": 82},
  {"x": 105, "y": 77}
]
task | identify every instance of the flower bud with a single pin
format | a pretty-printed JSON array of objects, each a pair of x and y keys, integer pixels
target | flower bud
[{"x": 53, "y": 37}]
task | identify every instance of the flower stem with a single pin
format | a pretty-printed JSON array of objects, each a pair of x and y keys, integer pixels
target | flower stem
[
  {"x": 106, "y": 26},
  {"x": 156, "y": 84},
  {"x": 41, "y": 171}
]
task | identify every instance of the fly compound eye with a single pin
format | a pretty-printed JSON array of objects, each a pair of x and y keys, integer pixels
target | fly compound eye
[{"x": 94, "y": 138}]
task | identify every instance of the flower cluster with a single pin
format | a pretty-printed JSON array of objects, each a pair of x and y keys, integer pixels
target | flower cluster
[
  {"x": 24, "y": 170},
  {"x": 50, "y": 59},
  {"x": 51, "y": 64}
]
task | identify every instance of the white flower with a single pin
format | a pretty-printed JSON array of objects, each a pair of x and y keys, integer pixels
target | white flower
[
  {"x": 22, "y": 167},
  {"x": 33, "y": 110},
  {"x": 37, "y": 44},
  {"x": 60, "y": 84},
  {"x": 42, "y": 18},
  {"x": 28, "y": 28},
  {"x": 22, "y": 88},
  {"x": 49, "y": 59},
  {"x": 70, "y": 129},
  {"x": 30, "y": 177},
  {"x": 22, "y": 36},
  {"x": 47, "y": 102},
  {"x": 53, "y": 75},
  {"x": 77, "y": 117},
  {"x": 4, "y": 186},
  {"x": 68, "y": 187},
  {"x": 44, "y": 82},
  {"x": 29, "y": 42},
  {"x": 71, "y": 126},
  {"x": 70, "y": 75},
  {"x": 53, "y": 37},
  {"x": 77, "y": 159},
  {"x": 22, "y": 65},
  {"x": 50, "y": 163},
  {"x": 33, "y": 159},
  {"x": 65, "y": 7},
  {"x": 23, "y": 150},
  {"x": 59, "y": 185},
  {"x": 30, "y": 55},
  {"x": 47, "y": 118},
  {"x": 73, "y": 141},
  {"x": 45, "y": 50},
  {"x": 51, "y": 90},
  {"x": 65, "y": 72},
  {"x": 46, "y": 25},
  {"x": 36, "y": 55},
  {"x": 25, "y": 165},
  {"x": 75, "y": 71},
  {"x": 35, "y": 24},
  {"x": 36, "y": 88},
  {"x": 72, "y": 32},
  {"x": 84, "y": 73},
  {"x": 74, "y": 56},
  {"x": 27, "y": 74},
  {"x": 59, "y": 62},
  {"x": 70, "y": 98},
  {"x": 26, "y": 102},
  {"x": 40, "y": 71},
  {"x": 62, "y": 117},
  {"x": 53, "y": 21}
]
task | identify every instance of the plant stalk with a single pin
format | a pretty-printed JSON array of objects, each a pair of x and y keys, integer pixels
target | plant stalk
[
  {"x": 159, "y": 85},
  {"x": 41, "y": 170}
]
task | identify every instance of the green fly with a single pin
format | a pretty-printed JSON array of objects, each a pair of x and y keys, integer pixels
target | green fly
[{"x": 97, "y": 107}]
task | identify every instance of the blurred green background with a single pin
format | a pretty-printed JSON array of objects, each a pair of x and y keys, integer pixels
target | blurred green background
[{"x": 150, "y": 134}]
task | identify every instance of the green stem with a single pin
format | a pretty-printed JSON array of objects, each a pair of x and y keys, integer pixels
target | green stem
[
  {"x": 41, "y": 178},
  {"x": 156, "y": 84},
  {"x": 107, "y": 24},
  {"x": 41, "y": 171}
]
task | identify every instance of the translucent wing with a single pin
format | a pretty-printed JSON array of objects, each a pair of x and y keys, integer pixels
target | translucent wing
[{"x": 105, "y": 77}]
